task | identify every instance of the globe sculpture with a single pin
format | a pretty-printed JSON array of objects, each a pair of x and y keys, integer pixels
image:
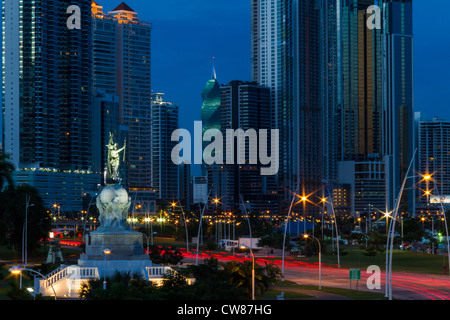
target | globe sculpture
[{"x": 113, "y": 204}]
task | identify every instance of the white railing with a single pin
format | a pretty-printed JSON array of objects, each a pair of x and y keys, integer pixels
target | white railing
[
  {"x": 72, "y": 272},
  {"x": 157, "y": 272},
  {"x": 55, "y": 275}
]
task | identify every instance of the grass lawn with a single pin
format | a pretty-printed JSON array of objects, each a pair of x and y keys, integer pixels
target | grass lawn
[
  {"x": 9, "y": 254},
  {"x": 288, "y": 295},
  {"x": 352, "y": 294},
  {"x": 289, "y": 292}
]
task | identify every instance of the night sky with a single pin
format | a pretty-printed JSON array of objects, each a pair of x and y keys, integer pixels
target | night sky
[{"x": 188, "y": 33}]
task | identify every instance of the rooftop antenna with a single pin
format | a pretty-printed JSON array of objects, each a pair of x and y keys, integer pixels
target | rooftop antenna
[{"x": 214, "y": 75}]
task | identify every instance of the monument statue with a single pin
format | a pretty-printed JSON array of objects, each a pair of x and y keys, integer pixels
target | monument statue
[
  {"x": 113, "y": 162},
  {"x": 113, "y": 202},
  {"x": 125, "y": 246}
]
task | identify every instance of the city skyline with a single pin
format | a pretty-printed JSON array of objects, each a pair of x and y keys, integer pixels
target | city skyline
[
  {"x": 130, "y": 119},
  {"x": 202, "y": 21}
]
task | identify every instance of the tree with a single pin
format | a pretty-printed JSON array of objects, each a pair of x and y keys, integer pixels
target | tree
[
  {"x": 165, "y": 255},
  {"x": 212, "y": 282},
  {"x": 241, "y": 276},
  {"x": 274, "y": 240},
  {"x": 412, "y": 230},
  {"x": 13, "y": 202},
  {"x": 6, "y": 171}
]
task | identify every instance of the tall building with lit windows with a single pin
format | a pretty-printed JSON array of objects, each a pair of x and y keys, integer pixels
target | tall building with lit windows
[
  {"x": 376, "y": 98},
  {"x": 433, "y": 159},
  {"x": 398, "y": 100},
  {"x": 165, "y": 174},
  {"x": 210, "y": 112},
  {"x": 246, "y": 106},
  {"x": 133, "y": 86},
  {"x": 285, "y": 44},
  {"x": 47, "y": 97}
]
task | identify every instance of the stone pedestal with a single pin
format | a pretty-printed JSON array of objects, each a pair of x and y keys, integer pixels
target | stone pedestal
[
  {"x": 124, "y": 245},
  {"x": 127, "y": 252}
]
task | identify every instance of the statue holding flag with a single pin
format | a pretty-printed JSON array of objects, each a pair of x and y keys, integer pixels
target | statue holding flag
[{"x": 113, "y": 162}]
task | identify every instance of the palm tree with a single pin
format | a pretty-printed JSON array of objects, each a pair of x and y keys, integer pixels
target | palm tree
[
  {"x": 241, "y": 276},
  {"x": 6, "y": 171}
]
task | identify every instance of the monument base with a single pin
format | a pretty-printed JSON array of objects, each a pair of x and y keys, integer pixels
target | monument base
[
  {"x": 126, "y": 252},
  {"x": 123, "y": 245}
]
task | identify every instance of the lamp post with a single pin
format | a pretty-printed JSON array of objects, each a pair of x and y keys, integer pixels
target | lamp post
[
  {"x": 285, "y": 231},
  {"x": 106, "y": 252},
  {"x": 185, "y": 224},
  {"x": 337, "y": 234},
  {"x": 25, "y": 232},
  {"x": 200, "y": 225},
  {"x": 251, "y": 249},
  {"x": 18, "y": 270},
  {"x": 306, "y": 236},
  {"x": 392, "y": 225}
]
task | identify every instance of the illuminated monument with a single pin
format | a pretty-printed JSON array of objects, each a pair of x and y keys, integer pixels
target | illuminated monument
[{"x": 113, "y": 246}]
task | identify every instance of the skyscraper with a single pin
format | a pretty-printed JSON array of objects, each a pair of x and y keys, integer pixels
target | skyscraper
[
  {"x": 165, "y": 174},
  {"x": 377, "y": 109},
  {"x": 210, "y": 112},
  {"x": 398, "y": 99},
  {"x": 286, "y": 58},
  {"x": 133, "y": 86},
  {"x": 104, "y": 81},
  {"x": 330, "y": 52},
  {"x": 47, "y": 94},
  {"x": 245, "y": 106},
  {"x": 47, "y": 98},
  {"x": 433, "y": 160}
]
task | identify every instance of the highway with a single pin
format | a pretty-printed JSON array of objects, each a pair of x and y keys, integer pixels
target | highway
[{"x": 405, "y": 286}]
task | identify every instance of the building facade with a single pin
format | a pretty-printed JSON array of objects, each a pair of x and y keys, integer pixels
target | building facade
[
  {"x": 285, "y": 44},
  {"x": 165, "y": 174},
  {"x": 376, "y": 98},
  {"x": 47, "y": 99},
  {"x": 133, "y": 86},
  {"x": 434, "y": 160},
  {"x": 245, "y": 106}
]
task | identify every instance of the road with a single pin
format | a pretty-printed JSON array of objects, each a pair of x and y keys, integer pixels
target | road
[{"x": 405, "y": 286}]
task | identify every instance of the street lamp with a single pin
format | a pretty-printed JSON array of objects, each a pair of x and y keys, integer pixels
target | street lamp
[
  {"x": 337, "y": 234},
  {"x": 185, "y": 225},
  {"x": 391, "y": 233},
  {"x": 306, "y": 236},
  {"x": 18, "y": 270},
  {"x": 25, "y": 232},
  {"x": 106, "y": 252},
  {"x": 285, "y": 231},
  {"x": 251, "y": 250},
  {"x": 200, "y": 224}
]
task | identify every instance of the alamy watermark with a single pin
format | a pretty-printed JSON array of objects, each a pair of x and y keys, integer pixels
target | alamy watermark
[
  {"x": 374, "y": 21},
  {"x": 374, "y": 280},
  {"x": 213, "y": 152}
]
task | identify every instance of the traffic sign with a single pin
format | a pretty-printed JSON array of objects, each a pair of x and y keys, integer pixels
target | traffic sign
[{"x": 355, "y": 274}]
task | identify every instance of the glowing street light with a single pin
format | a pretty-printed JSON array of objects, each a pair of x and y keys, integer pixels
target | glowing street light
[
  {"x": 106, "y": 252},
  {"x": 16, "y": 270}
]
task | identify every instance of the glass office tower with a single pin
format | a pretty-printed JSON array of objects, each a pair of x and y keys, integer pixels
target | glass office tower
[
  {"x": 165, "y": 173},
  {"x": 285, "y": 46},
  {"x": 47, "y": 95},
  {"x": 398, "y": 99},
  {"x": 133, "y": 86}
]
